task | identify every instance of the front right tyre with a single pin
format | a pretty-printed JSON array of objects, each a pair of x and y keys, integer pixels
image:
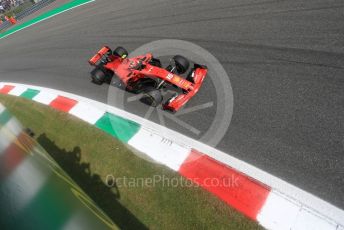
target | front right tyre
[
  {"x": 98, "y": 76},
  {"x": 152, "y": 97}
]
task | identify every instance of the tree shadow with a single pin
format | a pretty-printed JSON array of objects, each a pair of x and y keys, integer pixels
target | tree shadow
[{"x": 98, "y": 191}]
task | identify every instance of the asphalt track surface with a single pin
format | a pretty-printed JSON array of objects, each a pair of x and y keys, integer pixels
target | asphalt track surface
[{"x": 285, "y": 61}]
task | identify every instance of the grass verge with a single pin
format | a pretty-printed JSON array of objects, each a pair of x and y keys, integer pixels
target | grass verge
[{"x": 89, "y": 156}]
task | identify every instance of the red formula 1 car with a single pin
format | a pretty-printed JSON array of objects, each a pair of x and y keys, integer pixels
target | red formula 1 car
[{"x": 145, "y": 74}]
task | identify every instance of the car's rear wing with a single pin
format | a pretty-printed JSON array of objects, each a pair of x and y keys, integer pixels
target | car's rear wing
[{"x": 94, "y": 60}]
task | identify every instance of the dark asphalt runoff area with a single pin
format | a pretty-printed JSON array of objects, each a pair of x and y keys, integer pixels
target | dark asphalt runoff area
[{"x": 284, "y": 60}]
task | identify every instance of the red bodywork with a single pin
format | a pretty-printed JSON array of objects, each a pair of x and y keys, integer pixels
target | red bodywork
[{"x": 127, "y": 70}]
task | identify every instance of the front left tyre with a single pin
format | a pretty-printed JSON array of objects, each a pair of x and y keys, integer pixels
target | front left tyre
[
  {"x": 182, "y": 64},
  {"x": 120, "y": 52}
]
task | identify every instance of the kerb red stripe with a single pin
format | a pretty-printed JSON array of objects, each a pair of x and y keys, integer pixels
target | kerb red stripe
[
  {"x": 63, "y": 104},
  {"x": 6, "y": 89},
  {"x": 236, "y": 189}
]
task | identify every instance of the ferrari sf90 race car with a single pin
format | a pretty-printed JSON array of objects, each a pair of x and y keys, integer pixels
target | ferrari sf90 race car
[{"x": 145, "y": 74}]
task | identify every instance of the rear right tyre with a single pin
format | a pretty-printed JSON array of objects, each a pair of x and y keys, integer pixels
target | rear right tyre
[{"x": 98, "y": 76}]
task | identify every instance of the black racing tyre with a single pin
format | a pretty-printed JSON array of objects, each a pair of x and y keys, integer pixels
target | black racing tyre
[
  {"x": 182, "y": 64},
  {"x": 152, "y": 97},
  {"x": 155, "y": 62},
  {"x": 98, "y": 76},
  {"x": 120, "y": 52}
]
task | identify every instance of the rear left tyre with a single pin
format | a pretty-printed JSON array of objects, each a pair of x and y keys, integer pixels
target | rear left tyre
[{"x": 120, "y": 52}]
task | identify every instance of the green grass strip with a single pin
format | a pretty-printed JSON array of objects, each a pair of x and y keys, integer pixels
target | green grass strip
[
  {"x": 44, "y": 16},
  {"x": 118, "y": 127},
  {"x": 30, "y": 93}
]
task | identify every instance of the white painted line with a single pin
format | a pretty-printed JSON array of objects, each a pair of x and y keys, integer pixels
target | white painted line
[
  {"x": 18, "y": 90},
  {"x": 87, "y": 112},
  {"x": 45, "y": 97},
  {"x": 160, "y": 149}
]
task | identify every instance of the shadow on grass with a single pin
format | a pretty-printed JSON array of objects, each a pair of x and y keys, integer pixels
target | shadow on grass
[{"x": 92, "y": 184}]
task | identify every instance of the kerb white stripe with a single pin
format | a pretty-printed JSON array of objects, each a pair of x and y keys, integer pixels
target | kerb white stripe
[
  {"x": 160, "y": 149},
  {"x": 281, "y": 213},
  {"x": 17, "y": 91},
  {"x": 308, "y": 220},
  {"x": 277, "y": 213},
  {"x": 44, "y": 97},
  {"x": 87, "y": 112}
]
